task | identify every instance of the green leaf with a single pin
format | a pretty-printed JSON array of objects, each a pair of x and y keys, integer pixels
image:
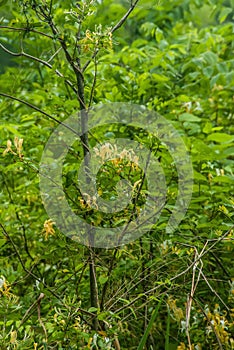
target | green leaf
[
  {"x": 159, "y": 78},
  {"x": 223, "y": 179},
  {"x": 210, "y": 57},
  {"x": 12, "y": 128},
  {"x": 102, "y": 279},
  {"x": 224, "y": 13},
  {"x": 188, "y": 117},
  {"x": 92, "y": 309},
  {"x": 199, "y": 176},
  {"x": 158, "y": 35},
  {"x": 220, "y": 137},
  {"x": 207, "y": 128}
]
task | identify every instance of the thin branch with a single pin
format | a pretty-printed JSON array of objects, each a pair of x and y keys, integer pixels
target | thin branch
[
  {"x": 17, "y": 253},
  {"x": 181, "y": 273},
  {"x": 203, "y": 253},
  {"x": 27, "y": 30},
  {"x": 28, "y": 312},
  {"x": 53, "y": 56},
  {"x": 75, "y": 65},
  {"x": 210, "y": 323},
  {"x": 104, "y": 289},
  {"x": 39, "y": 110},
  {"x": 6, "y": 234},
  {"x": 48, "y": 19},
  {"x": 214, "y": 291},
  {"x": 94, "y": 82},
  {"x": 39, "y": 315},
  {"x": 123, "y": 19},
  {"x": 191, "y": 295},
  {"x": 28, "y": 56},
  {"x": 90, "y": 60},
  {"x": 134, "y": 285},
  {"x": 45, "y": 63},
  {"x": 18, "y": 218}
]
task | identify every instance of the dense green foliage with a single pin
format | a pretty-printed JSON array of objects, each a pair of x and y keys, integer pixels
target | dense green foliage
[{"x": 176, "y": 58}]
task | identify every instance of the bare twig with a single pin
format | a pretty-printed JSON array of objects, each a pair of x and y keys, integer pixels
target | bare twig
[
  {"x": 90, "y": 60},
  {"x": 196, "y": 260},
  {"x": 123, "y": 19},
  {"x": 211, "y": 325},
  {"x": 214, "y": 291},
  {"x": 39, "y": 60},
  {"x": 6, "y": 234},
  {"x": 53, "y": 56},
  {"x": 104, "y": 289},
  {"x": 39, "y": 314},
  {"x": 94, "y": 82},
  {"x": 45, "y": 13},
  {"x": 191, "y": 295},
  {"x": 26, "y": 30},
  {"x": 39, "y": 110},
  {"x": 28, "y": 312},
  {"x": 203, "y": 253}
]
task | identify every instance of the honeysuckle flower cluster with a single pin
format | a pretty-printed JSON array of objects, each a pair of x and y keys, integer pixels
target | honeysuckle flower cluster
[
  {"x": 18, "y": 144},
  {"x": 48, "y": 229}
]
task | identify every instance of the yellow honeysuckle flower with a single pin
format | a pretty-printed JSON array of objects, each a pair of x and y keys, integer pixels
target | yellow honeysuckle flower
[
  {"x": 18, "y": 143},
  {"x": 4, "y": 287},
  {"x": 13, "y": 337},
  {"x": 8, "y": 149},
  {"x": 48, "y": 228}
]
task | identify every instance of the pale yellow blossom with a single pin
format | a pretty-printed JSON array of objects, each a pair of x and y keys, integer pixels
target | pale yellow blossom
[
  {"x": 48, "y": 228},
  {"x": 18, "y": 143},
  {"x": 8, "y": 149},
  {"x": 4, "y": 287}
]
